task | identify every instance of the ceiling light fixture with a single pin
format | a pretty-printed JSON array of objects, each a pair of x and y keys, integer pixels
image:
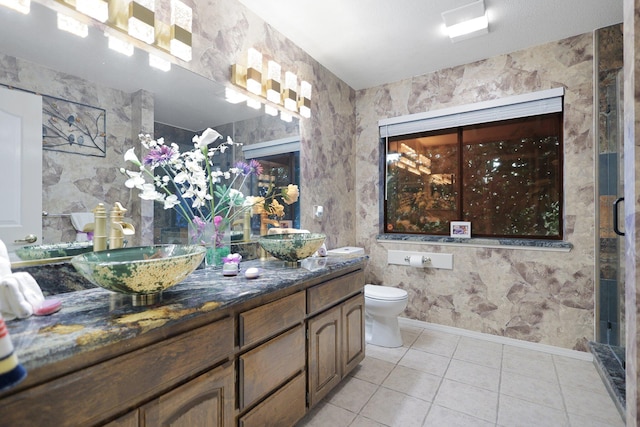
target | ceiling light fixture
[{"x": 467, "y": 21}]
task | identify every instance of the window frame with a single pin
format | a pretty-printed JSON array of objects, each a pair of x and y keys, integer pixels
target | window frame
[{"x": 520, "y": 106}]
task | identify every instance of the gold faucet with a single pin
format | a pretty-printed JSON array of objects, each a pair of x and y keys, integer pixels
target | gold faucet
[
  {"x": 246, "y": 225},
  {"x": 119, "y": 228},
  {"x": 99, "y": 228}
]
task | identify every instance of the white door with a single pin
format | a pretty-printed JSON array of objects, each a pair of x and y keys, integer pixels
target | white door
[{"x": 20, "y": 168}]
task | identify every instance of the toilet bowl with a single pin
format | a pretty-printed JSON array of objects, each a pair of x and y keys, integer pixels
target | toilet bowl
[{"x": 382, "y": 305}]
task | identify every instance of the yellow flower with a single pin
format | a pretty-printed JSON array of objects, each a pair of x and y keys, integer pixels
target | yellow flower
[
  {"x": 275, "y": 208},
  {"x": 291, "y": 194}
]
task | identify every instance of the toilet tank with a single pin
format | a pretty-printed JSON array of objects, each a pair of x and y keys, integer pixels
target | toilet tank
[{"x": 346, "y": 251}]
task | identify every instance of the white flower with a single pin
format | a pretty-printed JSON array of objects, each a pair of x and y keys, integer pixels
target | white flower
[
  {"x": 130, "y": 156},
  {"x": 171, "y": 201},
  {"x": 149, "y": 193},
  {"x": 135, "y": 179},
  {"x": 207, "y": 137}
]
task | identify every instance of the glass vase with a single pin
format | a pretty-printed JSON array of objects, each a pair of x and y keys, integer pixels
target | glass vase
[{"x": 216, "y": 240}]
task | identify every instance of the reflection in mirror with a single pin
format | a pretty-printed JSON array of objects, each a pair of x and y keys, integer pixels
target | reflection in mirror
[{"x": 135, "y": 98}]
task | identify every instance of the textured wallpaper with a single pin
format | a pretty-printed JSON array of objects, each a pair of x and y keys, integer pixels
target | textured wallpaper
[{"x": 538, "y": 296}]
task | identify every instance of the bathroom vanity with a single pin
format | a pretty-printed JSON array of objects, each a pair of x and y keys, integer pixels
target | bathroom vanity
[{"x": 221, "y": 351}]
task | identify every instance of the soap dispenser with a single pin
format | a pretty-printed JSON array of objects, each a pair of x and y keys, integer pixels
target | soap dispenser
[{"x": 99, "y": 228}]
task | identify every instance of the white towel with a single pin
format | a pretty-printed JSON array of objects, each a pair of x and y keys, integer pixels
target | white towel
[
  {"x": 80, "y": 221},
  {"x": 20, "y": 296},
  {"x": 5, "y": 262}
]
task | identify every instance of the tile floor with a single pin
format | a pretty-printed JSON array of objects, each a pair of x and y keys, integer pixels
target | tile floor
[{"x": 443, "y": 379}]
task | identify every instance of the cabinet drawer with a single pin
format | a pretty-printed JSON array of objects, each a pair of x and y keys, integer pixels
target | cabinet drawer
[
  {"x": 268, "y": 320},
  {"x": 266, "y": 367},
  {"x": 329, "y": 293},
  {"x": 284, "y": 408},
  {"x": 90, "y": 395}
]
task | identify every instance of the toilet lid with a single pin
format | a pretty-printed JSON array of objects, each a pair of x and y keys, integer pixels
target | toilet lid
[{"x": 384, "y": 292}]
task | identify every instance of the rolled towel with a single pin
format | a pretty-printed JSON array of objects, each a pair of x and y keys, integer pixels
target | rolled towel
[
  {"x": 5, "y": 262},
  {"x": 11, "y": 371},
  {"x": 83, "y": 224},
  {"x": 20, "y": 296}
]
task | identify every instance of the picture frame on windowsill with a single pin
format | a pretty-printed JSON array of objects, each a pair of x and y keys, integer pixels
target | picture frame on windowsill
[{"x": 460, "y": 229}]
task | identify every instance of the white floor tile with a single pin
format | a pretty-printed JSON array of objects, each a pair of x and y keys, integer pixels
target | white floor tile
[
  {"x": 352, "y": 394},
  {"x": 480, "y": 352},
  {"x": 513, "y": 412},
  {"x": 426, "y": 362},
  {"x": 413, "y": 383},
  {"x": 326, "y": 414},
  {"x": 373, "y": 370},
  {"x": 475, "y": 375},
  {"x": 467, "y": 399},
  {"x": 533, "y": 364},
  {"x": 533, "y": 390},
  {"x": 598, "y": 406},
  {"x": 389, "y": 354},
  {"x": 395, "y": 409},
  {"x": 578, "y": 373},
  {"x": 441, "y": 416},
  {"x": 436, "y": 342}
]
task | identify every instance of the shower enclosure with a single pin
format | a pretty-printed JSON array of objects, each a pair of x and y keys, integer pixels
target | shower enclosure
[{"x": 608, "y": 349}]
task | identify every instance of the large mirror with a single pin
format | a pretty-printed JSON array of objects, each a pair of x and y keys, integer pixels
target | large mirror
[{"x": 123, "y": 96}]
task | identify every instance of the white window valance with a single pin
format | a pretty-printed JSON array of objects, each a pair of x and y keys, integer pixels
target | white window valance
[
  {"x": 513, "y": 107},
  {"x": 271, "y": 148}
]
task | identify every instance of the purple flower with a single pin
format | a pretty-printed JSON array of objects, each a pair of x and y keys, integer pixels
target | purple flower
[
  {"x": 159, "y": 156},
  {"x": 256, "y": 167},
  {"x": 243, "y": 168}
]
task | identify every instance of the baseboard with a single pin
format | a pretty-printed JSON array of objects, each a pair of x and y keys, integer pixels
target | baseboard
[{"x": 559, "y": 351}]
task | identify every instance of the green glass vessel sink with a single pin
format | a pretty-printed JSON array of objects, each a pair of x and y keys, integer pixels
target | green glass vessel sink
[
  {"x": 292, "y": 247},
  {"x": 56, "y": 250},
  {"x": 143, "y": 272}
]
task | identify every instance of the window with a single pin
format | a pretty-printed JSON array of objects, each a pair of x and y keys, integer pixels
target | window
[{"x": 504, "y": 176}]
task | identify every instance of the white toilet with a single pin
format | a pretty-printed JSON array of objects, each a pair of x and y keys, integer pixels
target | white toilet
[{"x": 382, "y": 305}]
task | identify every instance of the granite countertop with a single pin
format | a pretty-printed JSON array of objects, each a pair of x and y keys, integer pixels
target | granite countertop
[{"x": 93, "y": 318}]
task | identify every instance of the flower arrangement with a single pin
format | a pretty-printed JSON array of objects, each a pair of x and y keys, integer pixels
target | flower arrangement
[{"x": 189, "y": 183}]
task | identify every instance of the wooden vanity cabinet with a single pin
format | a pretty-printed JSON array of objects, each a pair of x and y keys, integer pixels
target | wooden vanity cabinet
[
  {"x": 336, "y": 334},
  {"x": 99, "y": 392},
  {"x": 272, "y": 363}
]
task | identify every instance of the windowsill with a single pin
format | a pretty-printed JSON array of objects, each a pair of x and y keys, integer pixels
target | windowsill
[{"x": 478, "y": 242}]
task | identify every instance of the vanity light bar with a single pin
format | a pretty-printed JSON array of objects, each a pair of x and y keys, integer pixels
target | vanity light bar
[
  {"x": 266, "y": 82},
  {"x": 122, "y": 19}
]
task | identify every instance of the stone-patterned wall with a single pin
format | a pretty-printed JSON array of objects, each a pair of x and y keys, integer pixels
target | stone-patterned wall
[
  {"x": 223, "y": 32},
  {"x": 538, "y": 296},
  {"x": 75, "y": 183}
]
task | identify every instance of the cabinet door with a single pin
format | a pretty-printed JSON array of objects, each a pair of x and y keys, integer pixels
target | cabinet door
[
  {"x": 127, "y": 420},
  {"x": 207, "y": 400},
  {"x": 353, "y": 344},
  {"x": 325, "y": 353}
]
